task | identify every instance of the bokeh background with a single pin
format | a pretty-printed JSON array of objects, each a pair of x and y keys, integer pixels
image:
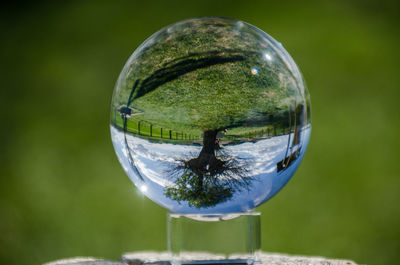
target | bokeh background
[{"x": 63, "y": 192}]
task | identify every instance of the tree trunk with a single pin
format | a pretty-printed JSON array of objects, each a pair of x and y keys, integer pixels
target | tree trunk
[
  {"x": 209, "y": 138},
  {"x": 206, "y": 162}
]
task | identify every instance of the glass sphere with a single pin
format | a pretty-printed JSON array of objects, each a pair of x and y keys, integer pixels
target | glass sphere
[{"x": 210, "y": 115}]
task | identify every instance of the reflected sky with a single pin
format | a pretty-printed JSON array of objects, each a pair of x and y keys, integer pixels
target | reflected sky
[{"x": 154, "y": 161}]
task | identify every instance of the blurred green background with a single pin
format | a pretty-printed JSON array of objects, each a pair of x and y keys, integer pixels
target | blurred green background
[{"x": 63, "y": 192}]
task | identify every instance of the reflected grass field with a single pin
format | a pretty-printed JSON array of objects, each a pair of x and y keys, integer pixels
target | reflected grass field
[
  {"x": 63, "y": 192},
  {"x": 145, "y": 129}
]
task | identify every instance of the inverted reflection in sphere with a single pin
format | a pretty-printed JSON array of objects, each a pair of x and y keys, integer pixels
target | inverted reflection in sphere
[{"x": 210, "y": 115}]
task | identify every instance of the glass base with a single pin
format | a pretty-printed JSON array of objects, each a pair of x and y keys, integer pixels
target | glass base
[{"x": 214, "y": 238}]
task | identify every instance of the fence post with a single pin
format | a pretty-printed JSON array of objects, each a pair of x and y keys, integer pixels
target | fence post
[
  {"x": 114, "y": 118},
  {"x": 151, "y": 130},
  {"x": 138, "y": 127},
  {"x": 161, "y": 132},
  {"x": 170, "y": 134},
  {"x": 274, "y": 130}
]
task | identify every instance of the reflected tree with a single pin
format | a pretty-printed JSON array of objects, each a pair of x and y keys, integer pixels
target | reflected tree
[{"x": 208, "y": 179}]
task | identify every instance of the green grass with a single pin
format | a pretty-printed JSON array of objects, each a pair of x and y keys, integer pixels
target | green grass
[
  {"x": 137, "y": 126},
  {"x": 218, "y": 96},
  {"x": 153, "y": 132}
]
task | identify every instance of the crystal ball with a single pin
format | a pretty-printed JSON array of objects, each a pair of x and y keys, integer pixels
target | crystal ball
[{"x": 210, "y": 115}]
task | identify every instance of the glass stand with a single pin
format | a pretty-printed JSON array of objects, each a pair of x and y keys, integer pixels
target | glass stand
[{"x": 214, "y": 238}]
